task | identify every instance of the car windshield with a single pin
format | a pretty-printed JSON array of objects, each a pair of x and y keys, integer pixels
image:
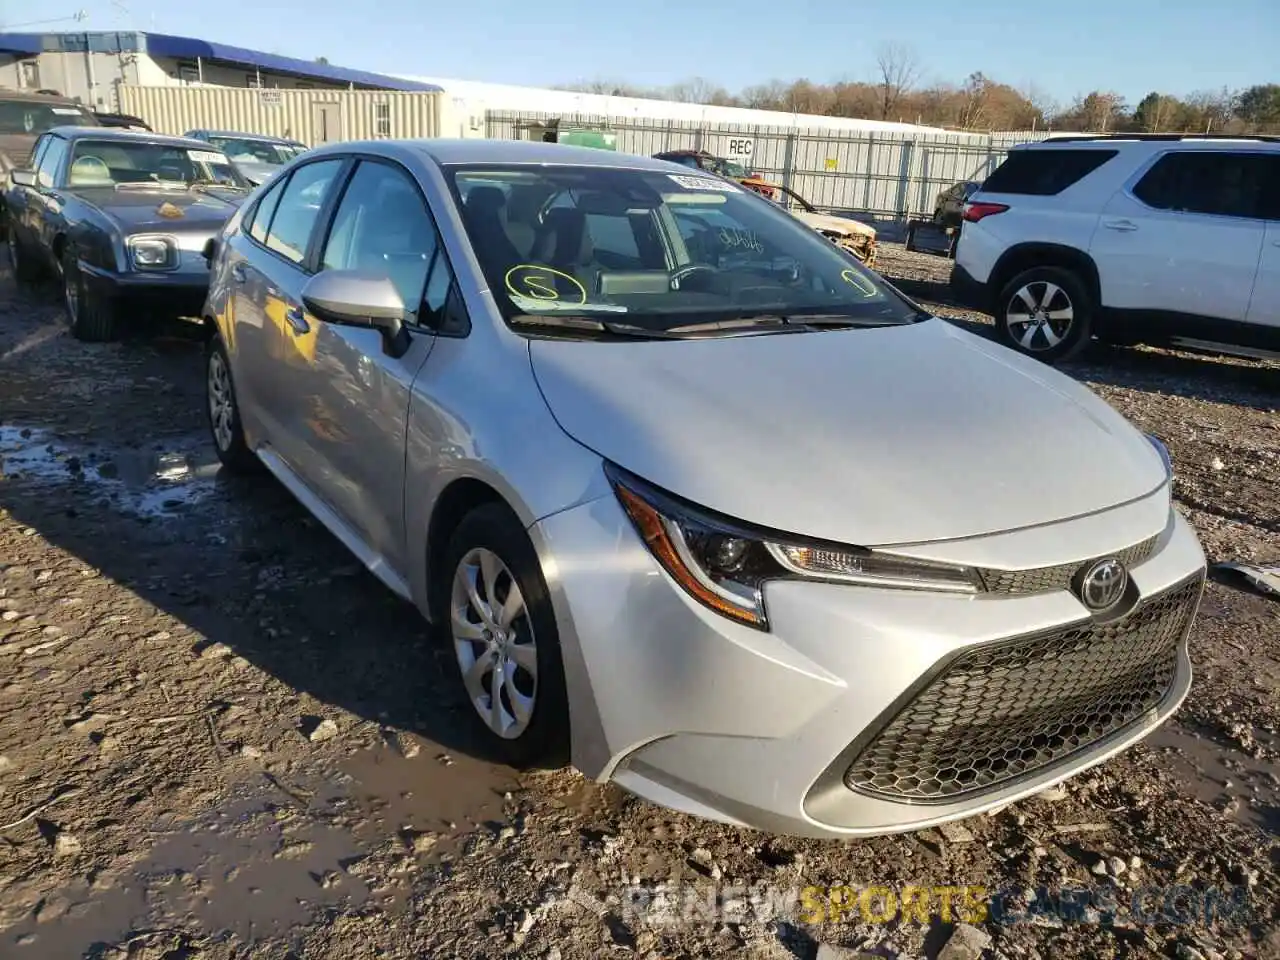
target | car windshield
[
  {"x": 249, "y": 150},
  {"x": 26, "y": 116},
  {"x": 655, "y": 250},
  {"x": 105, "y": 163}
]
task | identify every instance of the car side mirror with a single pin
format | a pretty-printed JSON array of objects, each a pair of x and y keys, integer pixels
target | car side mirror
[
  {"x": 359, "y": 298},
  {"x": 23, "y": 178}
]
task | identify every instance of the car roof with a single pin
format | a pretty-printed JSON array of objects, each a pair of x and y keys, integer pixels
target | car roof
[
  {"x": 1154, "y": 141},
  {"x": 118, "y": 133},
  {"x": 446, "y": 151},
  {"x": 242, "y": 135},
  {"x": 46, "y": 98}
]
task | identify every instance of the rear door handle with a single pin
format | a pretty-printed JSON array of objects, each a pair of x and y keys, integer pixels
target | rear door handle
[
  {"x": 237, "y": 272},
  {"x": 298, "y": 320},
  {"x": 1122, "y": 225}
]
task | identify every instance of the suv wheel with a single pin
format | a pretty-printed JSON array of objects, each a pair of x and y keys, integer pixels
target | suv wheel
[
  {"x": 1046, "y": 313},
  {"x": 503, "y": 634}
]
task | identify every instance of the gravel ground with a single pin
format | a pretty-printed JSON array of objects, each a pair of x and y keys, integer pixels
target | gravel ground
[{"x": 221, "y": 738}]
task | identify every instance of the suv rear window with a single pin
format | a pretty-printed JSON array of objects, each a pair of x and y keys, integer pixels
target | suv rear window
[{"x": 1043, "y": 173}]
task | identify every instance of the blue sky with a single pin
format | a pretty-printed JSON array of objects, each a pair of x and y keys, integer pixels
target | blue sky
[{"x": 1132, "y": 46}]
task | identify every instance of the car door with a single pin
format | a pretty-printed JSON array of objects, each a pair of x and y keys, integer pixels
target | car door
[
  {"x": 19, "y": 199},
  {"x": 1184, "y": 235},
  {"x": 45, "y": 203},
  {"x": 1264, "y": 305},
  {"x": 267, "y": 268},
  {"x": 348, "y": 403}
]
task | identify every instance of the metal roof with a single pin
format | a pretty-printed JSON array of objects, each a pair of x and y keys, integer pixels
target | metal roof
[{"x": 189, "y": 48}]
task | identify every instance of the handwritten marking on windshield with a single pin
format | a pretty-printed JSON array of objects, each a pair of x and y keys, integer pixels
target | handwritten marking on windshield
[
  {"x": 733, "y": 237},
  {"x": 537, "y": 282},
  {"x": 859, "y": 283}
]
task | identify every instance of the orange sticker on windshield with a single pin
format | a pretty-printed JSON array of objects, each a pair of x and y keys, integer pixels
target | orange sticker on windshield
[
  {"x": 536, "y": 282},
  {"x": 862, "y": 285}
]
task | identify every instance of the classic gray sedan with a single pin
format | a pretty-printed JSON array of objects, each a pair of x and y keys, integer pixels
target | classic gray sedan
[
  {"x": 697, "y": 500},
  {"x": 122, "y": 219}
]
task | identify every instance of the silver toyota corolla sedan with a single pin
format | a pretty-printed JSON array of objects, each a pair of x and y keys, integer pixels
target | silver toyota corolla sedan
[{"x": 698, "y": 503}]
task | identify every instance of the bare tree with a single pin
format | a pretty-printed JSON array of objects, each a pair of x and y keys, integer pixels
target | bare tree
[{"x": 898, "y": 70}]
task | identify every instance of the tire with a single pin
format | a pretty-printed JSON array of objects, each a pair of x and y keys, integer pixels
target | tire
[
  {"x": 92, "y": 317},
  {"x": 25, "y": 269},
  {"x": 490, "y": 549},
  {"x": 1055, "y": 330},
  {"x": 223, "y": 412}
]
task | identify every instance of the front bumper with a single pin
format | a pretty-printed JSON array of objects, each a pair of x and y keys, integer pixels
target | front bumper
[
  {"x": 689, "y": 710},
  {"x": 180, "y": 293}
]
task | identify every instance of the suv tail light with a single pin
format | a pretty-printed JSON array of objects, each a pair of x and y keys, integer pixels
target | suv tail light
[{"x": 973, "y": 212}]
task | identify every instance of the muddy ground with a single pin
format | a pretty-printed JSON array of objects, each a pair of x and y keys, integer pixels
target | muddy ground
[{"x": 221, "y": 738}]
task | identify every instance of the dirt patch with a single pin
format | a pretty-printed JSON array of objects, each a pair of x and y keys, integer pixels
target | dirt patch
[{"x": 223, "y": 738}]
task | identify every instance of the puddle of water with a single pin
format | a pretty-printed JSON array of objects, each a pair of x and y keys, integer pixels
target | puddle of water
[
  {"x": 441, "y": 795},
  {"x": 262, "y": 862},
  {"x": 144, "y": 483},
  {"x": 1246, "y": 789}
]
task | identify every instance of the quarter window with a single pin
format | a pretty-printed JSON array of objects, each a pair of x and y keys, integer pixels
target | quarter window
[
  {"x": 299, "y": 208},
  {"x": 1203, "y": 181}
]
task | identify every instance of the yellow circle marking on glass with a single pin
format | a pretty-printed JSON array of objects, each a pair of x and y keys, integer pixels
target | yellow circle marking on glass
[
  {"x": 540, "y": 287},
  {"x": 851, "y": 278}
]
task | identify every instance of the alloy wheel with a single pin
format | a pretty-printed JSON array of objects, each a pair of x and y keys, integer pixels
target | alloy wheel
[
  {"x": 222, "y": 403},
  {"x": 494, "y": 642},
  {"x": 1039, "y": 316}
]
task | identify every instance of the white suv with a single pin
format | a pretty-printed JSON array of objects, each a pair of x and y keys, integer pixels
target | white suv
[{"x": 1131, "y": 238}]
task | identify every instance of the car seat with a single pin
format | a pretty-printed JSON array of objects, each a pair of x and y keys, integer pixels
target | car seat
[
  {"x": 563, "y": 241},
  {"x": 90, "y": 171},
  {"x": 483, "y": 213}
]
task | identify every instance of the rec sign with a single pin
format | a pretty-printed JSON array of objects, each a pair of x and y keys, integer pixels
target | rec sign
[{"x": 739, "y": 148}]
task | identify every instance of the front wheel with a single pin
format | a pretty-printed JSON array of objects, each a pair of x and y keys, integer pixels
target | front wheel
[
  {"x": 504, "y": 640},
  {"x": 1046, "y": 313},
  {"x": 91, "y": 316}
]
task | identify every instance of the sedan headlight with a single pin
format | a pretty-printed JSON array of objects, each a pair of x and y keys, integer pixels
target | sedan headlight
[
  {"x": 724, "y": 564},
  {"x": 153, "y": 253}
]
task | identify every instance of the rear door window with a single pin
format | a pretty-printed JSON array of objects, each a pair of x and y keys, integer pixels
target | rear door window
[
  {"x": 1222, "y": 183},
  {"x": 299, "y": 208},
  {"x": 1044, "y": 173}
]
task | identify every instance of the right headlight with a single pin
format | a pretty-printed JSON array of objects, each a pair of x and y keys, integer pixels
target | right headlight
[
  {"x": 153, "y": 253},
  {"x": 724, "y": 564}
]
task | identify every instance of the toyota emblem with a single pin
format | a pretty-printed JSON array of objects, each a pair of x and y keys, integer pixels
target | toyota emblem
[{"x": 1103, "y": 584}]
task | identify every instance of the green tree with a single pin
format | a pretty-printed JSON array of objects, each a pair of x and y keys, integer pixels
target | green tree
[{"x": 1259, "y": 107}]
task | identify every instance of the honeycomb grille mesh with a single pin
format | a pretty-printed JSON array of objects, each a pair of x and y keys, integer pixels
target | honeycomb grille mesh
[
  {"x": 1004, "y": 710},
  {"x": 1045, "y": 579}
]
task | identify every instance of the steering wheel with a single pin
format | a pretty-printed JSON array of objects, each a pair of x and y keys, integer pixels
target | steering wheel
[{"x": 681, "y": 274}]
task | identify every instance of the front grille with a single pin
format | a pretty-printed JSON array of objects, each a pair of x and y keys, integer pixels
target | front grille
[
  {"x": 1004, "y": 710},
  {"x": 1045, "y": 579}
]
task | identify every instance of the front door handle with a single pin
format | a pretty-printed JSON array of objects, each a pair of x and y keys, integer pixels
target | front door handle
[
  {"x": 1123, "y": 226},
  {"x": 237, "y": 272},
  {"x": 298, "y": 320}
]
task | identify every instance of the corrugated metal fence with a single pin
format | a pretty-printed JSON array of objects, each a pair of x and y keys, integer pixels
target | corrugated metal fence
[
  {"x": 884, "y": 175},
  {"x": 312, "y": 116}
]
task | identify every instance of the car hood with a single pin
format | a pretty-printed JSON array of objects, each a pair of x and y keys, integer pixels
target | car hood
[
  {"x": 257, "y": 173},
  {"x": 826, "y": 221},
  {"x": 870, "y": 436},
  {"x": 140, "y": 209}
]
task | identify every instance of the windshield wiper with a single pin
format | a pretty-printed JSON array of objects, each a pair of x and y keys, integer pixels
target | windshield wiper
[
  {"x": 563, "y": 321},
  {"x": 208, "y": 182},
  {"x": 792, "y": 321}
]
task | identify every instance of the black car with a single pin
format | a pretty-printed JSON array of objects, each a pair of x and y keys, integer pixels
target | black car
[
  {"x": 950, "y": 203},
  {"x": 122, "y": 219}
]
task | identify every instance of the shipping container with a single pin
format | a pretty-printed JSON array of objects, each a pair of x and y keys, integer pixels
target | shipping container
[{"x": 312, "y": 116}]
